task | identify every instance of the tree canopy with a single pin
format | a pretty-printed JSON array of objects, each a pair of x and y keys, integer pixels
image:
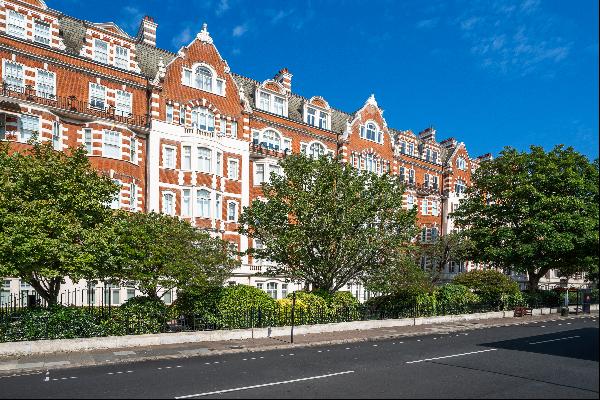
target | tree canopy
[
  {"x": 534, "y": 211},
  {"x": 325, "y": 223},
  {"x": 52, "y": 204},
  {"x": 157, "y": 252}
]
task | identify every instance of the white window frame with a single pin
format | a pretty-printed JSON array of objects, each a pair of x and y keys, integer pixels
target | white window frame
[
  {"x": 461, "y": 163},
  {"x": 122, "y": 60},
  {"x": 169, "y": 157},
  {"x": 271, "y": 138},
  {"x": 98, "y": 55},
  {"x": 45, "y": 84},
  {"x": 133, "y": 197},
  {"x": 169, "y": 113},
  {"x": 266, "y": 102},
  {"x": 313, "y": 152},
  {"x": 259, "y": 173},
  {"x": 204, "y": 159},
  {"x": 111, "y": 148},
  {"x": 27, "y": 124},
  {"x": 203, "y": 203},
  {"x": 56, "y": 136},
  {"x": 95, "y": 99},
  {"x": 123, "y": 103},
  {"x": 42, "y": 32},
  {"x": 371, "y": 126},
  {"x": 133, "y": 155},
  {"x": 233, "y": 167},
  {"x": 15, "y": 80},
  {"x": 186, "y": 202},
  {"x": 115, "y": 203},
  {"x": 203, "y": 119},
  {"x": 271, "y": 289},
  {"x": 16, "y": 24},
  {"x": 88, "y": 141},
  {"x": 235, "y": 211},
  {"x": 186, "y": 158},
  {"x": 218, "y": 206},
  {"x": 165, "y": 210}
]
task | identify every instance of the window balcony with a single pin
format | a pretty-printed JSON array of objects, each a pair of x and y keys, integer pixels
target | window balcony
[
  {"x": 192, "y": 130},
  {"x": 71, "y": 105}
]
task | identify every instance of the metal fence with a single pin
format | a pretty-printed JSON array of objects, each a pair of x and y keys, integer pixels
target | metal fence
[{"x": 82, "y": 319}]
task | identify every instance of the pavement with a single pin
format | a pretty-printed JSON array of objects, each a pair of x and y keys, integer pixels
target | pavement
[
  {"x": 42, "y": 362},
  {"x": 529, "y": 357}
]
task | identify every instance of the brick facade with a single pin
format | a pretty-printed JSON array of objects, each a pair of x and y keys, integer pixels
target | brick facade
[{"x": 189, "y": 136}]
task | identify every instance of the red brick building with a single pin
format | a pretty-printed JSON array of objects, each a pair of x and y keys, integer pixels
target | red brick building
[{"x": 184, "y": 135}]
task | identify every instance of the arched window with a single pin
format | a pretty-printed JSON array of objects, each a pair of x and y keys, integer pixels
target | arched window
[
  {"x": 371, "y": 131},
  {"x": 203, "y": 79},
  {"x": 271, "y": 139},
  {"x": 316, "y": 150},
  {"x": 203, "y": 119},
  {"x": 203, "y": 203},
  {"x": 461, "y": 163}
]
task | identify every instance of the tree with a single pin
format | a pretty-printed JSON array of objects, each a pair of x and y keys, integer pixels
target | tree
[
  {"x": 401, "y": 275},
  {"x": 52, "y": 205},
  {"x": 324, "y": 223},
  {"x": 156, "y": 251},
  {"x": 453, "y": 247},
  {"x": 534, "y": 211}
]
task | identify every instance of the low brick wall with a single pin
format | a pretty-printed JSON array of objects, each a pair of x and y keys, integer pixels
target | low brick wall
[{"x": 119, "y": 342}]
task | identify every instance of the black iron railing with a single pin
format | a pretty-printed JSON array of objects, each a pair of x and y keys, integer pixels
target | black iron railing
[{"x": 72, "y": 104}]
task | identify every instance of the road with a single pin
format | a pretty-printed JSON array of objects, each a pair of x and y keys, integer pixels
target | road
[{"x": 550, "y": 359}]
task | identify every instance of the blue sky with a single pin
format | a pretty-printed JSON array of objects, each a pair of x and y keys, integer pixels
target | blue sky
[{"x": 491, "y": 74}]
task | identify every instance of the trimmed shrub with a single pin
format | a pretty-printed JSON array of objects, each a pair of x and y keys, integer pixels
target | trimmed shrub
[
  {"x": 542, "y": 298},
  {"x": 455, "y": 299},
  {"x": 316, "y": 311},
  {"x": 139, "y": 315},
  {"x": 344, "y": 307},
  {"x": 490, "y": 285},
  {"x": 199, "y": 305},
  {"x": 399, "y": 305},
  {"x": 241, "y": 306},
  {"x": 57, "y": 322}
]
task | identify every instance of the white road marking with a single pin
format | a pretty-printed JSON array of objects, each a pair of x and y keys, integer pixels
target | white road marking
[
  {"x": 554, "y": 340},
  {"x": 47, "y": 378},
  {"x": 291, "y": 354},
  {"x": 453, "y": 355},
  {"x": 543, "y": 326},
  {"x": 244, "y": 359},
  {"x": 264, "y": 385}
]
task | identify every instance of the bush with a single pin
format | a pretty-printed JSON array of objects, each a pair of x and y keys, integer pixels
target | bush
[
  {"x": 199, "y": 305},
  {"x": 344, "y": 303},
  {"x": 542, "y": 298},
  {"x": 455, "y": 299},
  {"x": 139, "y": 315},
  {"x": 57, "y": 322},
  {"x": 490, "y": 285},
  {"x": 241, "y": 306},
  {"x": 316, "y": 308},
  {"x": 399, "y": 305}
]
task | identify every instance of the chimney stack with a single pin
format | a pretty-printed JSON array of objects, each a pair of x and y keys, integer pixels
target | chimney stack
[
  {"x": 285, "y": 78},
  {"x": 147, "y": 32}
]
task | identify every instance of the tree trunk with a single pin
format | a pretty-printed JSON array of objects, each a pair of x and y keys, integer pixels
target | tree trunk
[
  {"x": 533, "y": 282},
  {"x": 48, "y": 290}
]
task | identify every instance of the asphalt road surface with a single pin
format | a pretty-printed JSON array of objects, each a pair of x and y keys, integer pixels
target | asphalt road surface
[{"x": 550, "y": 359}]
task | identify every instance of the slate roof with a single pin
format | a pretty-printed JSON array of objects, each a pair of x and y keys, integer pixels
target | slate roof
[{"x": 73, "y": 32}]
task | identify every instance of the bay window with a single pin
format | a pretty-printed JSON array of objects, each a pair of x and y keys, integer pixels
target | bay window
[{"x": 203, "y": 203}]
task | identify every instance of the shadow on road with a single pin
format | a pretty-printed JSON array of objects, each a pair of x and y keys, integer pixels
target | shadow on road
[{"x": 577, "y": 343}]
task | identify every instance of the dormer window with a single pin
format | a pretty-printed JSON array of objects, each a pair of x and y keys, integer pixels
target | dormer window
[
  {"x": 461, "y": 163},
  {"x": 271, "y": 103},
  {"x": 16, "y": 24},
  {"x": 370, "y": 132},
  {"x": 121, "y": 57},
  {"x": 316, "y": 117},
  {"x": 42, "y": 33},
  {"x": 101, "y": 51},
  {"x": 204, "y": 78}
]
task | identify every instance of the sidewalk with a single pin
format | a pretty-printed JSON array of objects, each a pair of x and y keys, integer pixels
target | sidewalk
[{"x": 36, "y": 363}]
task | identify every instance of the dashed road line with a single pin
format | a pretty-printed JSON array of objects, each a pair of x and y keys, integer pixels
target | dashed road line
[
  {"x": 555, "y": 340},
  {"x": 450, "y": 356},
  {"x": 264, "y": 385}
]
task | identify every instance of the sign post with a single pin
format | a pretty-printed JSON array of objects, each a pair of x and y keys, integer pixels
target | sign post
[{"x": 293, "y": 309}]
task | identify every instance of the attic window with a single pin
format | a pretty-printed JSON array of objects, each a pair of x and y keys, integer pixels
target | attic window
[
  {"x": 370, "y": 132},
  {"x": 316, "y": 117},
  {"x": 272, "y": 103}
]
